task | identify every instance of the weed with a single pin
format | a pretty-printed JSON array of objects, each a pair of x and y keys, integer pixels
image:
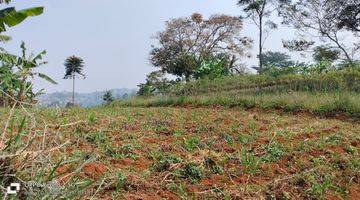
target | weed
[
  {"x": 228, "y": 138},
  {"x": 179, "y": 189},
  {"x": 192, "y": 171},
  {"x": 121, "y": 181},
  {"x": 319, "y": 185},
  {"x": 275, "y": 151},
  {"x": 334, "y": 139},
  {"x": 245, "y": 139},
  {"x": 178, "y": 133},
  {"x": 92, "y": 118},
  {"x": 166, "y": 162},
  {"x": 192, "y": 143},
  {"x": 97, "y": 138},
  {"x": 250, "y": 162},
  {"x": 351, "y": 150},
  {"x": 125, "y": 151},
  {"x": 215, "y": 168}
]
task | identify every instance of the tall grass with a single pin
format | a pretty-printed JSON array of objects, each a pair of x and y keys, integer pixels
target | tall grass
[
  {"x": 318, "y": 103},
  {"x": 348, "y": 80},
  {"x": 30, "y": 155},
  {"x": 333, "y": 92}
]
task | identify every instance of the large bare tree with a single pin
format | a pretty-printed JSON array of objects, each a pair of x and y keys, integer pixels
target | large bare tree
[
  {"x": 315, "y": 19},
  {"x": 187, "y": 41},
  {"x": 346, "y": 12}
]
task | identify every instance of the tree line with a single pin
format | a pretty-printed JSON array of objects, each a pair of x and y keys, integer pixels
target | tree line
[{"x": 193, "y": 48}]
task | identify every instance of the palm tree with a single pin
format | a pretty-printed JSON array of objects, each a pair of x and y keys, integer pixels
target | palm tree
[{"x": 73, "y": 65}]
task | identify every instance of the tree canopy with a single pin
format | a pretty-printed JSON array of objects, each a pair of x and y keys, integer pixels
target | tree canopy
[
  {"x": 277, "y": 59},
  {"x": 73, "y": 65},
  {"x": 186, "y": 42}
]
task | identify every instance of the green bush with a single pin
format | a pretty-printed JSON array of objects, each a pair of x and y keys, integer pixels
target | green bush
[{"x": 211, "y": 69}]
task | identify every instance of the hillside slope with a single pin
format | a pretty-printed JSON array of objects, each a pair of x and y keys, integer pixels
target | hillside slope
[{"x": 330, "y": 93}]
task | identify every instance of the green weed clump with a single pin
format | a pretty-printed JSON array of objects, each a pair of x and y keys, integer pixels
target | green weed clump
[
  {"x": 193, "y": 172},
  {"x": 166, "y": 162}
]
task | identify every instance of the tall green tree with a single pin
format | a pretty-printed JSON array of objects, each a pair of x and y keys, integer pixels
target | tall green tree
[
  {"x": 259, "y": 12},
  {"x": 73, "y": 66}
]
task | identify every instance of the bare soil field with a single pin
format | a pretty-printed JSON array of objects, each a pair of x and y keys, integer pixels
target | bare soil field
[{"x": 203, "y": 153}]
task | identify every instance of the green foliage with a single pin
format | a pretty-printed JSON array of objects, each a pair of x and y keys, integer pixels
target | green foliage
[
  {"x": 16, "y": 74},
  {"x": 145, "y": 90},
  {"x": 274, "y": 71},
  {"x": 276, "y": 59},
  {"x": 192, "y": 143},
  {"x": 193, "y": 172},
  {"x": 184, "y": 65},
  {"x": 275, "y": 151},
  {"x": 215, "y": 168},
  {"x": 212, "y": 69},
  {"x": 315, "y": 78},
  {"x": 10, "y": 17},
  {"x": 250, "y": 162},
  {"x": 156, "y": 83},
  {"x": 73, "y": 65},
  {"x": 108, "y": 97},
  {"x": 187, "y": 41},
  {"x": 121, "y": 181},
  {"x": 166, "y": 162},
  {"x": 324, "y": 53}
]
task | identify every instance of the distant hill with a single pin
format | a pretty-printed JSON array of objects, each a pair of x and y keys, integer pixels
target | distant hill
[{"x": 60, "y": 99}]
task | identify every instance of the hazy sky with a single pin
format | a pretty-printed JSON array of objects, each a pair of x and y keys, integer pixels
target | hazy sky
[{"x": 112, "y": 36}]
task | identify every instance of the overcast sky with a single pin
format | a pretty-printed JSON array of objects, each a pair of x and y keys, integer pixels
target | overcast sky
[{"x": 112, "y": 36}]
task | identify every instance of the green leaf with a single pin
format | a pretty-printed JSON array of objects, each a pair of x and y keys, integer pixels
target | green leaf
[
  {"x": 39, "y": 56},
  {"x": 47, "y": 78},
  {"x": 52, "y": 174},
  {"x": 14, "y": 18},
  {"x": 31, "y": 12},
  {"x": 11, "y": 17},
  {"x": 6, "y": 11}
]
